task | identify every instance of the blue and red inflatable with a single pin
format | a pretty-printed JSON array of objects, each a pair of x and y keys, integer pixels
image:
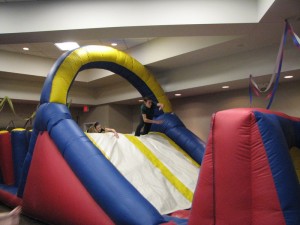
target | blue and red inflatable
[{"x": 246, "y": 177}]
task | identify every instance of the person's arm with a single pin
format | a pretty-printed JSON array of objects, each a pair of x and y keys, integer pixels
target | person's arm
[
  {"x": 111, "y": 130},
  {"x": 146, "y": 120}
]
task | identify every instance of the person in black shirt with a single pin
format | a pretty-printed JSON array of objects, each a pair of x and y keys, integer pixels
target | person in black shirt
[{"x": 147, "y": 112}]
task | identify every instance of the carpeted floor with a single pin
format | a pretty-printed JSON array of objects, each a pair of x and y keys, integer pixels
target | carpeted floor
[{"x": 24, "y": 220}]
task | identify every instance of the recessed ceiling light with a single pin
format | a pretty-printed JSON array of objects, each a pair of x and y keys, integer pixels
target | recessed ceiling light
[
  {"x": 66, "y": 46},
  {"x": 114, "y": 44},
  {"x": 288, "y": 76},
  {"x": 225, "y": 86},
  {"x": 140, "y": 100},
  {"x": 25, "y": 49},
  {"x": 177, "y": 94}
]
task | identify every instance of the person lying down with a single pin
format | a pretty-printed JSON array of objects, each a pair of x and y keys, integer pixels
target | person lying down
[{"x": 97, "y": 128}]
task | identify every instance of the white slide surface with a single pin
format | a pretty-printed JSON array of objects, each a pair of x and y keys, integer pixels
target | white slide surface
[{"x": 154, "y": 165}]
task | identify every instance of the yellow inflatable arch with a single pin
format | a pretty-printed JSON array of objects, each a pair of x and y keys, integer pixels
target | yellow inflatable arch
[{"x": 66, "y": 68}]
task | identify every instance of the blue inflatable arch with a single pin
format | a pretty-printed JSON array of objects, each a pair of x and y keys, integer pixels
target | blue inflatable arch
[{"x": 64, "y": 71}]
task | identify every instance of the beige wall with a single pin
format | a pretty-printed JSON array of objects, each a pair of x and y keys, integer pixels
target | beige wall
[
  {"x": 195, "y": 112},
  {"x": 120, "y": 118},
  {"x": 112, "y": 116},
  {"x": 22, "y": 110},
  {"x": 96, "y": 113}
]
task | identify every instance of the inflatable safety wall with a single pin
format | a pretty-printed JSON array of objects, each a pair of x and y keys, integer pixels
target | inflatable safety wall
[
  {"x": 247, "y": 175},
  {"x": 6, "y": 159},
  {"x": 13, "y": 149}
]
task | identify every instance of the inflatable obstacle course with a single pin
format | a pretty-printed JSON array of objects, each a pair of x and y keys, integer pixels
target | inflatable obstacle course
[
  {"x": 110, "y": 191},
  {"x": 247, "y": 175}
]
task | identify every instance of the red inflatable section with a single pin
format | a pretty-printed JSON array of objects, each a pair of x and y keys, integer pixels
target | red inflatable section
[
  {"x": 9, "y": 199},
  {"x": 54, "y": 194},
  {"x": 225, "y": 194},
  {"x": 6, "y": 162}
]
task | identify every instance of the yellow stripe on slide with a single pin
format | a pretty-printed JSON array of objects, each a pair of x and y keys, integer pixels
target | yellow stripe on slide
[
  {"x": 187, "y": 193},
  {"x": 177, "y": 148},
  {"x": 94, "y": 142}
]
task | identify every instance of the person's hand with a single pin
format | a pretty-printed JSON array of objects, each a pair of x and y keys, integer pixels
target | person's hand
[
  {"x": 158, "y": 121},
  {"x": 161, "y": 106},
  {"x": 116, "y": 134}
]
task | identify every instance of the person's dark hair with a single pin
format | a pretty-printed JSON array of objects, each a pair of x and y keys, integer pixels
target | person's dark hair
[
  {"x": 146, "y": 98},
  {"x": 96, "y": 124}
]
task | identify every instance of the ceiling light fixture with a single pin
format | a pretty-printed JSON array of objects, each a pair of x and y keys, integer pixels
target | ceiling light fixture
[
  {"x": 66, "y": 46},
  {"x": 177, "y": 94},
  {"x": 114, "y": 44},
  {"x": 225, "y": 86},
  {"x": 25, "y": 49},
  {"x": 140, "y": 100},
  {"x": 288, "y": 76}
]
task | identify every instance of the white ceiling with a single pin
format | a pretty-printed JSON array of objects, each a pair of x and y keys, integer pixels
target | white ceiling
[{"x": 192, "y": 47}]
